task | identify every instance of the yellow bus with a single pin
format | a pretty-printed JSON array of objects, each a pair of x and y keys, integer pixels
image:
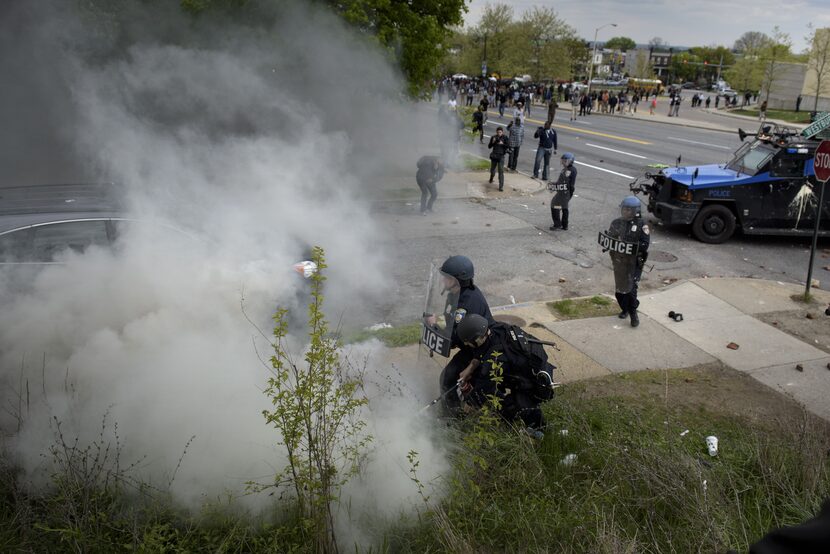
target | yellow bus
[{"x": 648, "y": 85}]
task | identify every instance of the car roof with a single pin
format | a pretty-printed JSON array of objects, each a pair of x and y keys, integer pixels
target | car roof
[
  {"x": 63, "y": 198},
  {"x": 39, "y": 204}
]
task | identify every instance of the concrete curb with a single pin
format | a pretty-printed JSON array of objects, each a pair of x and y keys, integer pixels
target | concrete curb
[{"x": 673, "y": 123}]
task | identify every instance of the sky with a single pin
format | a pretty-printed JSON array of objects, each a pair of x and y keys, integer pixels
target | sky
[{"x": 695, "y": 23}]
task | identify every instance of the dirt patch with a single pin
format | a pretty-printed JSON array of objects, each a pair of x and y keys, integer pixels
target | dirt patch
[
  {"x": 808, "y": 324},
  {"x": 708, "y": 388}
]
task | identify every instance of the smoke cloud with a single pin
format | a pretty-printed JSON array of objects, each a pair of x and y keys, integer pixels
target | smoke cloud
[{"x": 255, "y": 135}]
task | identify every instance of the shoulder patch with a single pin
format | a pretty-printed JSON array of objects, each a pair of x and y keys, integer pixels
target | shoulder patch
[
  {"x": 459, "y": 315},
  {"x": 645, "y": 229}
]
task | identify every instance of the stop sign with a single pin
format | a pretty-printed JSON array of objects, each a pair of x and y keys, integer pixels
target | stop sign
[{"x": 822, "y": 161}]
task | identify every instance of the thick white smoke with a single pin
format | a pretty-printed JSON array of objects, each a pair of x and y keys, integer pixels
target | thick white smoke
[{"x": 256, "y": 135}]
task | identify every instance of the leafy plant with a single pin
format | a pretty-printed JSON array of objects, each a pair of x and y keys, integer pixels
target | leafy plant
[{"x": 316, "y": 407}]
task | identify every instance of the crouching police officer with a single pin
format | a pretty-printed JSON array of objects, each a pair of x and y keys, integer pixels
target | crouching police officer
[
  {"x": 527, "y": 377},
  {"x": 463, "y": 299},
  {"x": 628, "y": 261}
]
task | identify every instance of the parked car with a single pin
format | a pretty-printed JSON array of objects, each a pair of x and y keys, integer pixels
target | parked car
[
  {"x": 688, "y": 85},
  {"x": 39, "y": 223}
]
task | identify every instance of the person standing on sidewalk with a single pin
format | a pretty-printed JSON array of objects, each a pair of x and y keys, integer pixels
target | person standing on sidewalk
[
  {"x": 498, "y": 148},
  {"x": 653, "y": 105},
  {"x": 547, "y": 145},
  {"x": 762, "y": 111},
  {"x": 632, "y": 235},
  {"x": 563, "y": 190},
  {"x": 516, "y": 132},
  {"x": 574, "y": 101}
]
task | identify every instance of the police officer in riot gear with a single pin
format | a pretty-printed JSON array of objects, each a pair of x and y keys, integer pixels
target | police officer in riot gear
[
  {"x": 628, "y": 268},
  {"x": 563, "y": 190},
  {"x": 458, "y": 274},
  {"x": 527, "y": 377}
]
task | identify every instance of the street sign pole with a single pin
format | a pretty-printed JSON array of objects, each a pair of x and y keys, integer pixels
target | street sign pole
[
  {"x": 822, "y": 185},
  {"x": 821, "y": 166}
]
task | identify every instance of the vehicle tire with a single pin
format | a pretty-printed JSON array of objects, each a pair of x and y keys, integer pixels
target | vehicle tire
[{"x": 714, "y": 224}]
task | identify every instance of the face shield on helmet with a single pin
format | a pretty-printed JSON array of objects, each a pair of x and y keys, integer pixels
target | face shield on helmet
[
  {"x": 630, "y": 207},
  {"x": 567, "y": 159}
]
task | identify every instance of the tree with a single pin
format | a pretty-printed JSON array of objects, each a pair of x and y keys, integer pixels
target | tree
[
  {"x": 495, "y": 21},
  {"x": 772, "y": 55},
  {"x": 818, "y": 66},
  {"x": 623, "y": 44},
  {"x": 642, "y": 68},
  {"x": 657, "y": 44},
  {"x": 751, "y": 42},
  {"x": 745, "y": 74},
  {"x": 544, "y": 32}
]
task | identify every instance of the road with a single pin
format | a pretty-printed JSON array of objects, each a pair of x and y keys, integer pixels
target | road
[{"x": 518, "y": 259}]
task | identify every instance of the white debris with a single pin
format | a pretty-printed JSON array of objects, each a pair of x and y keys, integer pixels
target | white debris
[
  {"x": 568, "y": 460},
  {"x": 712, "y": 445},
  {"x": 512, "y": 299},
  {"x": 379, "y": 326},
  {"x": 684, "y": 433},
  {"x": 563, "y": 432}
]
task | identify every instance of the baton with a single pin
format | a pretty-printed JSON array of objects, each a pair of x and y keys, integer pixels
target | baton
[{"x": 437, "y": 400}]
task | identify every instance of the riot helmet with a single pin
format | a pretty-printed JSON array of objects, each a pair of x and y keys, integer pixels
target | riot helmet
[
  {"x": 472, "y": 330},
  {"x": 630, "y": 207},
  {"x": 567, "y": 159},
  {"x": 460, "y": 267}
]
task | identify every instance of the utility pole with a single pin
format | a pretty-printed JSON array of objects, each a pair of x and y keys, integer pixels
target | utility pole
[
  {"x": 720, "y": 65},
  {"x": 594, "y": 54}
]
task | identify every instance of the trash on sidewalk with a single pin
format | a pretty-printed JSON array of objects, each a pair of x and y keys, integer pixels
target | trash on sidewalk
[
  {"x": 810, "y": 316},
  {"x": 815, "y": 283},
  {"x": 732, "y": 346},
  {"x": 562, "y": 280},
  {"x": 799, "y": 367},
  {"x": 512, "y": 299},
  {"x": 712, "y": 445},
  {"x": 677, "y": 316},
  {"x": 568, "y": 460}
]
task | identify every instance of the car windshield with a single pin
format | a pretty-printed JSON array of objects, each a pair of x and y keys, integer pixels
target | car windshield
[{"x": 751, "y": 158}]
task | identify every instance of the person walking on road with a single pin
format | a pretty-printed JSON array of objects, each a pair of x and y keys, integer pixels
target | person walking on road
[
  {"x": 547, "y": 145},
  {"x": 479, "y": 119},
  {"x": 563, "y": 190},
  {"x": 552, "y": 106},
  {"x": 516, "y": 131},
  {"x": 498, "y": 148}
]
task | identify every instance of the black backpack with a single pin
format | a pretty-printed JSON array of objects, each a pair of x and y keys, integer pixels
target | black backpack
[{"x": 539, "y": 382}]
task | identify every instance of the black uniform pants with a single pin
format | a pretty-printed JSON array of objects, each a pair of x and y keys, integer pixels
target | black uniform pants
[
  {"x": 494, "y": 164},
  {"x": 628, "y": 300},
  {"x": 559, "y": 220},
  {"x": 427, "y": 189}
]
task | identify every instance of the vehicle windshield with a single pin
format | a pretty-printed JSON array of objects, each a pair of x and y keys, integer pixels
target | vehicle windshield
[{"x": 751, "y": 158}]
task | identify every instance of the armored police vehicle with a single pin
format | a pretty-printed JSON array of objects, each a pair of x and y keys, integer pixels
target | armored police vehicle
[{"x": 767, "y": 188}]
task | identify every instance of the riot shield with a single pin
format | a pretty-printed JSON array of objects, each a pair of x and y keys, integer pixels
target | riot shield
[
  {"x": 623, "y": 260},
  {"x": 439, "y": 311}
]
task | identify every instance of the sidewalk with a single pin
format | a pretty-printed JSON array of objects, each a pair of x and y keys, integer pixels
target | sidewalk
[{"x": 778, "y": 344}]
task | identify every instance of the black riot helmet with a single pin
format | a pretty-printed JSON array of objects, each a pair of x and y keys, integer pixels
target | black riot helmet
[
  {"x": 472, "y": 330},
  {"x": 460, "y": 267}
]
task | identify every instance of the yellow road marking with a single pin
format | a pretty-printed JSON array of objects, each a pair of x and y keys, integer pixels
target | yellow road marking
[{"x": 585, "y": 131}]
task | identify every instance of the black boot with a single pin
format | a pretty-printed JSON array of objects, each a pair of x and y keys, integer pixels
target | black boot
[
  {"x": 623, "y": 314},
  {"x": 635, "y": 321}
]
